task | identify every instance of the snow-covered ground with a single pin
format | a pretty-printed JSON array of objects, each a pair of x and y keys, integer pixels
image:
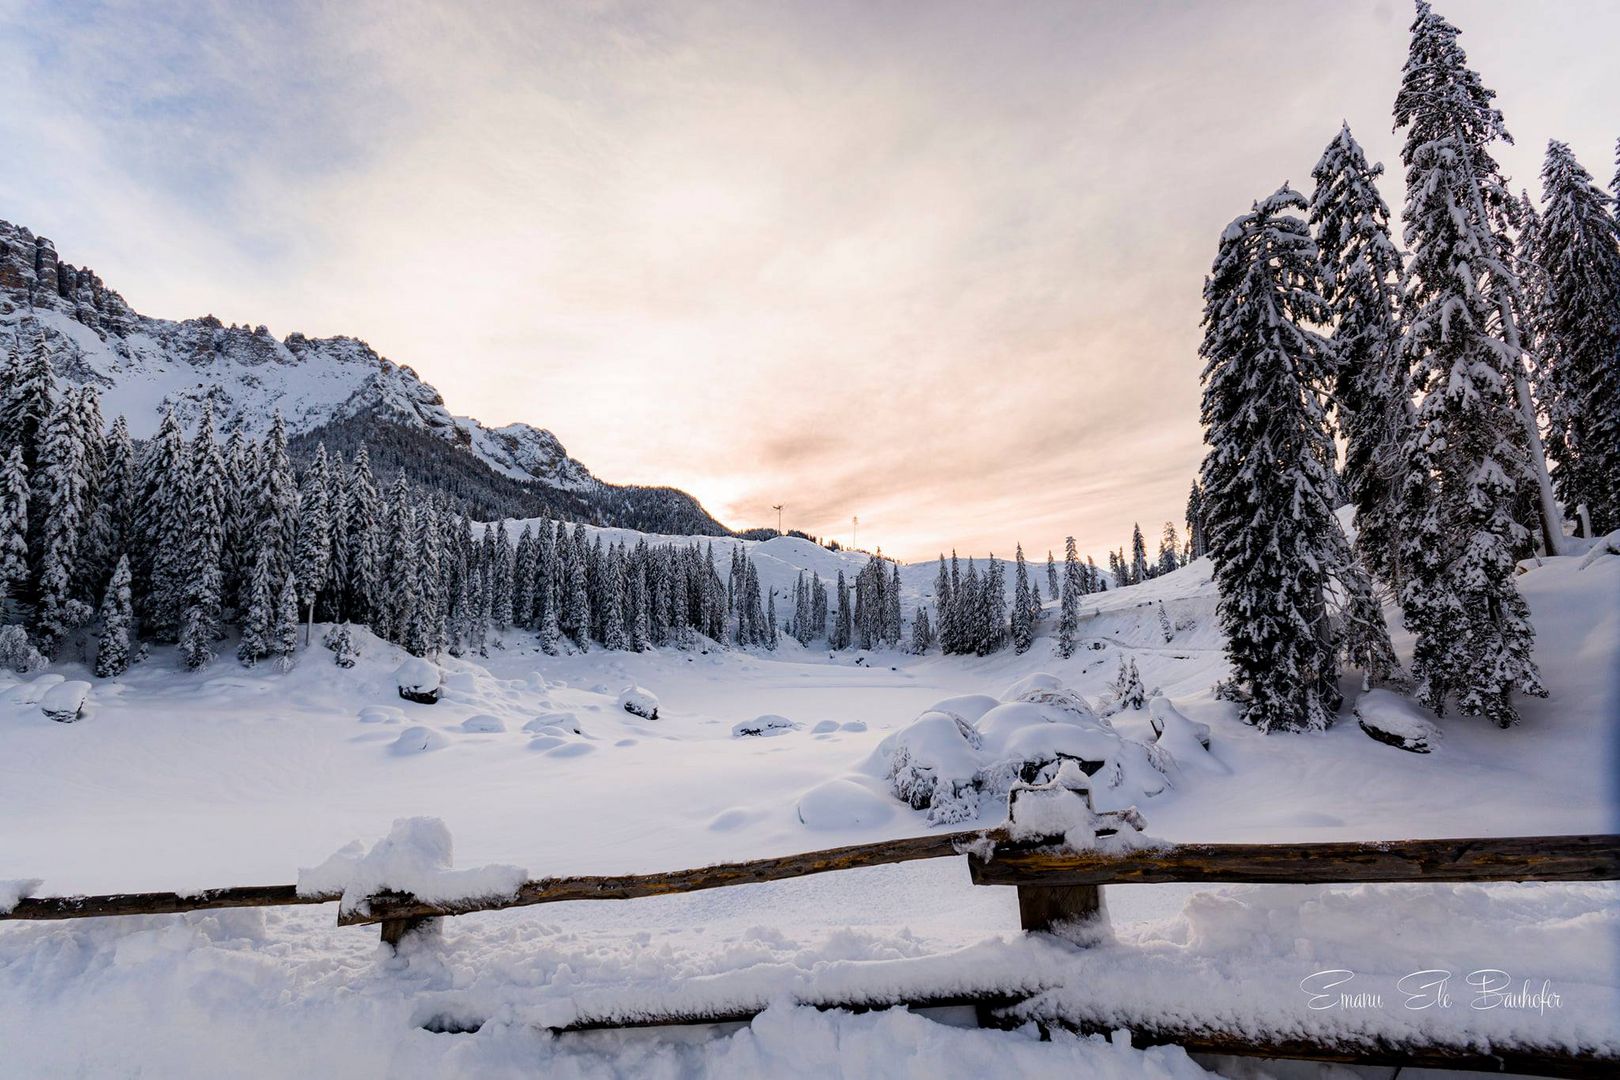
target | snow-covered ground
[{"x": 228, "y": 777}]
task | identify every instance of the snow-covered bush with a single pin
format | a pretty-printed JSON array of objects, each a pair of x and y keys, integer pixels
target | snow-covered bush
[
  {"x": 639, "y": 701},
  {"x": 418, "y": 680},
  {"x": 340, "y": 639},
  {"x": 64, "y": 702},
  {"x": 1390, "y": 718},
  {"x": 1127, "y": 691},
  {"x": 965, "y": 749},
  {"x": 768, "y": 724},
  {"x": 17, "y": 652}
]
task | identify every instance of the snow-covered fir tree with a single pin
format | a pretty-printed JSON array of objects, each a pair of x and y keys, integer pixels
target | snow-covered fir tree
[
  {"x": 523, "y": 579},
  {"x": 1069, "y": 605},
  {"x": 205, "y": 543},
  {"x": 1469, "y": 460},
  {"x": 1021, "y": 627},
  {"x": 1169, "y": 550},
  {"x": 843, "y": 629},
  {"x": 27, "y": 396},
  {"x": 286, "y": 626},
  {"x": 1127, "y": 691},
  {"x": 312, "y": 553},
  {"x": 1140, "y": 571},
  {"x": 1197, "y": 547},
  {"x": 1267, "y": 489},
  {"x": 361, "y": 577},
  {"x": 161, "y": 526},
  {"x": 1051, "y": 574},
  {"x": 922, "y": 632},
  {"x": 1576, "y": 317},
  {"x": 13, "y": 531},
  {"x": 111, "y": 533},
  {"x": 57, "y": 505},
  {"x": 993, "y": 622},
  {"x": 277, "y": 517},
  {"x": 112, "y": 650},
  {"x": 258, "y": 614},
  {"x": 1372, "y": 387}
]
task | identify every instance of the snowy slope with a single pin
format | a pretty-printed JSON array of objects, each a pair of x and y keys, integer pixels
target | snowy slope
[{"x": 178, "y": 780}]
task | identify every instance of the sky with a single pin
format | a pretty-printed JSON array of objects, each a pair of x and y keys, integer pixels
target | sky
[{"x": 935, "y": 265}]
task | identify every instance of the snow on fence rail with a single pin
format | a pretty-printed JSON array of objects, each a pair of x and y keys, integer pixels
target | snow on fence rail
[
  {"x": 1059, "y": 889},
  {"x": 993, "y": 858},
  {"x": 1055, "y": 849}
]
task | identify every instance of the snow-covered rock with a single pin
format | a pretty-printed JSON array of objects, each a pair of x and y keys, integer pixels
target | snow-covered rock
[
  {"x": 824, "y": 727},
  {"x": 483, "y": 723},
  {"x": 639, "y": 701},
  {"x": 1390, "y": 718},
  {"x": 843, "y": 804},
  {"x": 64, "y": 702},
  {"x": 415, "y": 857},
  {"x": 418, "y": 740},
  {"x": 768, "y": 724},
  {"x": 418, "y": 680},
  {"x": 944, "y": 762}
]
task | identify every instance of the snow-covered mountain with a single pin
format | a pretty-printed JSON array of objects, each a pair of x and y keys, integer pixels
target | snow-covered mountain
[{"x": 338, "y": 387}]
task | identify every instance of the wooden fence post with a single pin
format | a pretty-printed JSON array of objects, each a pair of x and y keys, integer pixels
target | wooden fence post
[
  {"x": 395, "y": 928},
  {"x": 1075, "y": 913}
]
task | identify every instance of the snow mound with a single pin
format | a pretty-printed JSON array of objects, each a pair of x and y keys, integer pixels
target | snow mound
[
  {"x": 13, "y": 892},
  {"x": 64, "y": 702},
  {"x": 29, "y": 693},
  {"x": 1035, "y": 680},
  {"x": 483, "y": 723},
  {"x": 414, "y": 858},
  {"x": 823, "y": 727},
  {"x": 1187, "y": 741},
  {"x": 1390, "y": 718},
  {"x": 418, "y": 740},
  {"x": 418, "y": 680},
  {"x": 766, "y": 725},
  {"x": 843, "y": 804},
  {"x": 946, "y": 763},
  {"x": 553, "y": 724},
  {"x": 381, "y": 714},
  {"x": 639, "y": 701}
]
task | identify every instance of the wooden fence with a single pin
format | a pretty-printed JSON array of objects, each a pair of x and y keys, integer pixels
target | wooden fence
[{"x": 1059, "y": 890}]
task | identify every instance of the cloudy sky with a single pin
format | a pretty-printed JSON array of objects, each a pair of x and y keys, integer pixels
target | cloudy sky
[{"x": 933, "y": 264}]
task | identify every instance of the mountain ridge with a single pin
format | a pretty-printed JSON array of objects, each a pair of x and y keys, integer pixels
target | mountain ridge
[{"x": 337, "y": 386}]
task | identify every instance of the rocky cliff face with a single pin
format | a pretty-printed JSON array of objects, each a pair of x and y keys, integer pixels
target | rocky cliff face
[{"x": 144, "y": 365}]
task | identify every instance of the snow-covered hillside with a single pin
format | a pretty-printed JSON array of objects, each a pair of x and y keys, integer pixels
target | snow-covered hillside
[{"x": 178, "y": 780}]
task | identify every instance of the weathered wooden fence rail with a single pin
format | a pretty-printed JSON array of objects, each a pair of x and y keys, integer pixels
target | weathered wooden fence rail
[{"x": 1058, "y": 889}]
